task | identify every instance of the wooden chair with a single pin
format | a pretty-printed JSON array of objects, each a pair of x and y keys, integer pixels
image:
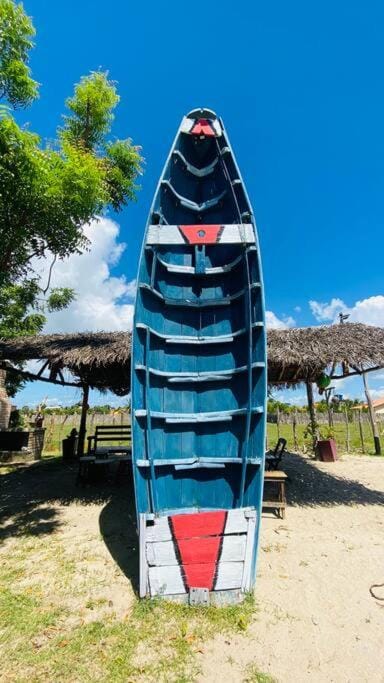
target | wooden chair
[{"x": 273, "y": 458}]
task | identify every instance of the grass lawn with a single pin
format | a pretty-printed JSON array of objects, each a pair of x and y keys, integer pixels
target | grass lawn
[
  {"x": 67, "y": 609},
  {"x": 56, "y": 432},
  {"x": 340, "y": 437}
]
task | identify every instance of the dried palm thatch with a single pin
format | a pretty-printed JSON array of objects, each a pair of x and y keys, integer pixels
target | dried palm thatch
[
  {"x": 300, "y": 354},
  {"x": 100, "y": 359},
  {"x": 103, "y": 359}
]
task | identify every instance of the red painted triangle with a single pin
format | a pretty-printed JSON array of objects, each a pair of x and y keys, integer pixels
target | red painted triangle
[
  {"x": 201, "y": 234},
  {"x": 203, "y": 127},
  {"x": 198, "y": 538}
]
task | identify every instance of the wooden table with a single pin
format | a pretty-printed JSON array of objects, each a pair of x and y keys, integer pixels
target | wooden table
[{"x": 278, "y": 479}]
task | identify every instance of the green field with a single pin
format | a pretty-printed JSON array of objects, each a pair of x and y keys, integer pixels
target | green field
[
  {"x": 339, "y": 430},
  {"x": 55, "y": 432}
]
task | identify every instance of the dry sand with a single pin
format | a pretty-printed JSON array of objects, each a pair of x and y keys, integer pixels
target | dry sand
[{"x": 316, "y": 621}]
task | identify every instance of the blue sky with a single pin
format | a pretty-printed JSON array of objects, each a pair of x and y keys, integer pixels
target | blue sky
[{"x": 300, "y": 88}]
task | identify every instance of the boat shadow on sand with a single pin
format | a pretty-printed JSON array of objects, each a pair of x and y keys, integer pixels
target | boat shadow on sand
[{"x": 31, "y": 497}]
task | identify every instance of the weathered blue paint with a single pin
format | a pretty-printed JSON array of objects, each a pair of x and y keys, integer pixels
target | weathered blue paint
[{"x": 199, "y": 347}]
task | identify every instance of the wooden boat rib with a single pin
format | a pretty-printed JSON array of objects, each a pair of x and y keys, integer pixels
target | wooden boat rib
[{"x": 199, "y": 375}]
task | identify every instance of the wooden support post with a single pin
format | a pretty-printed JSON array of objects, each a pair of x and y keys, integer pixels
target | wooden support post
[
  {"x": 361, "y": 433},
  {"x": 346, "y": 428},
  {"x": 312, "y": 415},
  {"x": 294, "y": 429},
  {"x": 278, "y": 422},
  {"x": 83, "y": 421},
  {"x": 375, "y": 431}
]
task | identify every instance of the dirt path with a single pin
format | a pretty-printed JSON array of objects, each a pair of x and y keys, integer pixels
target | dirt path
[{"x": 317, "y": 620}]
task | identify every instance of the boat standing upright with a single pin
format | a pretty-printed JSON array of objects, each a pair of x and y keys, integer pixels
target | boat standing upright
[{"x": 199, "y": 376}]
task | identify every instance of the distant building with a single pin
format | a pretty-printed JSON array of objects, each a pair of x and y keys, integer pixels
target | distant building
[{"x": 378, "y": 406}]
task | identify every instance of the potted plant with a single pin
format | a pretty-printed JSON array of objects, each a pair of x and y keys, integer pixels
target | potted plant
[{"x": 326, "y": 449}]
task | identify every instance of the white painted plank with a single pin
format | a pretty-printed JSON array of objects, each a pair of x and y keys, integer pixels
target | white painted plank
[
  {"x": 231, "y": 234},
  {"x": 168, "y": 580},
  {"x": 165, "y": 581},
  {"x": 236, "y": 522},
  {"x": 159, "y": 531},
  {"x": 233, "y": 548},
  {"x": 246, "y": 582},
  {"x": 142, "y": 559},
  {"x": 163, "y": 552},
  {"x": 229, "y": 575}
]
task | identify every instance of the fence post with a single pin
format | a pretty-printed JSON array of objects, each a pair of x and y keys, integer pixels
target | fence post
[
  {"x": 346, "y": 427},
  {"x": 361, "y": 433},
  {"x": 278, "y": 422},
  {"x": 294, "y": 426}
]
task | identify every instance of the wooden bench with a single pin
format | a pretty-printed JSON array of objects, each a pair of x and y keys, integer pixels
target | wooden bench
[
  {"x": 278, "y": 479},
  {"x": 110, "y": 433},
  {"x": 104, "y": 456}
]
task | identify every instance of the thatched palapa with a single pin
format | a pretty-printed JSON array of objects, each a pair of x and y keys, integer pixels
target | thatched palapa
[
  {"x": 300, "y": 354},
  {"x": 102, "y": 359}
]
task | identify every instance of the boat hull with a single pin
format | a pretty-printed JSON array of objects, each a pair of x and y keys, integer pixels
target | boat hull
[{"x": 199, "y": 374}]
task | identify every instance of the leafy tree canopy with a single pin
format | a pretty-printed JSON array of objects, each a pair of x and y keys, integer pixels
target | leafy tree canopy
[
  {"x": 48, "y": 192},
  {"x": 16, "y": 33}
]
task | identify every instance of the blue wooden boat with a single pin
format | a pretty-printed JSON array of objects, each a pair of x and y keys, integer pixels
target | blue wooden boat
[{"x": 199, "y": 375}]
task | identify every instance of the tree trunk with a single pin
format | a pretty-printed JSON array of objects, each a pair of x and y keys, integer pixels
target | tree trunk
[
  {"x": 83, "y": 421},
  {"x": 312, "y": 415}
]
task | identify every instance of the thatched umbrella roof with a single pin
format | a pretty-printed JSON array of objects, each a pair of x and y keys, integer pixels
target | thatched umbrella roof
[
  {"x": 103, "y": 359},
  {"x": 301, "y": 353},
  {"x": 99, "y": 359}
]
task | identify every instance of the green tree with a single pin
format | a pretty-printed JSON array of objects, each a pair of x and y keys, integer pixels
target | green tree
[
  {"x": 48, "y": 192},
  {"x": 16, "y": 33}
]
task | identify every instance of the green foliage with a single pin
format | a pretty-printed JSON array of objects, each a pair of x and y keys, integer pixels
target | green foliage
[
  {"x": 17, "y": 316},
  {"x": 16, "y": 33},
  {"x": 17, "y": 421},
  {"x": 59, "y": 298},
  {"x": 49, "y": 192},
  {"x": 91, "y": 109}
]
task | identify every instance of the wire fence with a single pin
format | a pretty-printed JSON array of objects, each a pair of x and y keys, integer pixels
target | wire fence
[{"x": 352, "y": 433}]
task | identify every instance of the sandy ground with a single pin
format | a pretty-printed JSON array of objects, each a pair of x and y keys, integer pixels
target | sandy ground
[{"x": 316, "y": 621}]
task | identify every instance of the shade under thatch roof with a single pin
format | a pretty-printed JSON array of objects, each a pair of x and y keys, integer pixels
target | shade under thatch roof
[{"x": 103, "y": 359}]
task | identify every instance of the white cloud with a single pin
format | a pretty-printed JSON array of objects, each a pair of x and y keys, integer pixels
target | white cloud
[
  {"x": 292, "y": 396},
  {"x": 273, "y": 322},
  {"x": 103, "y": 301},
  {"x": 327, "y": 311},
  {"x": 369, "y": 311}
]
